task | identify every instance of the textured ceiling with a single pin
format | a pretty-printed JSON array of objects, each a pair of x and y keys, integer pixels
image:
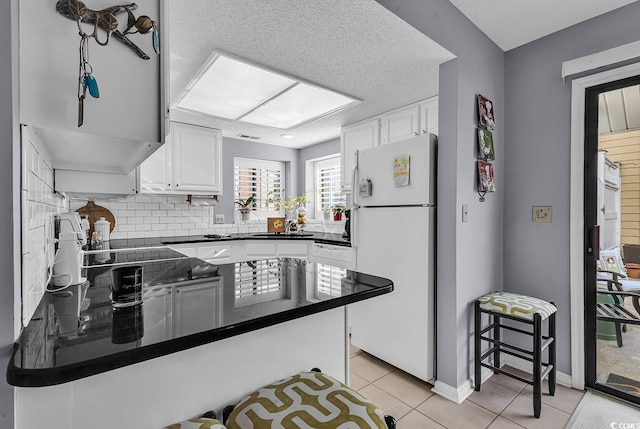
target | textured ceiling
[
  {"x": 356, "y": 47},
  {"x": 512, "y": 23}
]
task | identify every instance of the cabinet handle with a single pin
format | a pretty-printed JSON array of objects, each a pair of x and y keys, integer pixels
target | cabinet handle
[
  {"x": 415, "y": 133},
  {"x": 423, "y": 132}
]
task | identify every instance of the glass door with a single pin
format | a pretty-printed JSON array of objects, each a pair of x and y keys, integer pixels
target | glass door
[{"x": 612, "y": 228}]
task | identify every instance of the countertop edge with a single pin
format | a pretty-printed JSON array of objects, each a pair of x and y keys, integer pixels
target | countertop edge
[{"x": 54, "y": 376}]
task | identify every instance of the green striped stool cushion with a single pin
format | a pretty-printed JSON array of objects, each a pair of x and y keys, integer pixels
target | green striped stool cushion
[
  {"x": 515, "y": 305},
  {"x": 198, "y": 423},
  {"x": 306, "y": 400}
]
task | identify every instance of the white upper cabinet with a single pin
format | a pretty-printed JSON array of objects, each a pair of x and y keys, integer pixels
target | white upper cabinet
[
  {"x": 362, "y": 135},
  {"x": 410, "y": 121},
  {"x": 400, "y": 125},
  {"x": 190, "y": 162},
  {"x": 429, "y": 116},
  {"x": 121, "y": 127}
]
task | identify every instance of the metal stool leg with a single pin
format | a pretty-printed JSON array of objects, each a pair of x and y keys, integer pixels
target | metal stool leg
[
  {"x": 477, "y": 342},
  {"x": 496, "y": 336},
  {"x": 537, "y": 352},
  {"x": 552, "y": 354}
]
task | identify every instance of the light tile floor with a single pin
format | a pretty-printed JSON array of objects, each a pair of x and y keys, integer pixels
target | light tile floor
[{"x": 502, "y": 403}]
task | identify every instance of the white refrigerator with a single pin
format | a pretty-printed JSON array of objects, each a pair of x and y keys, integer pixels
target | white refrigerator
[{"x": 392, "y": 220}]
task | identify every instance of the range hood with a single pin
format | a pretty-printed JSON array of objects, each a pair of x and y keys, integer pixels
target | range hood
[
  {"x": 92, "y": 186},
  {"x": 80, "y": 151}
]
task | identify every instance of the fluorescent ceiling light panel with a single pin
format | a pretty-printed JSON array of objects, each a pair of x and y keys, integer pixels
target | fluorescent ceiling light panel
[
  {"x": 229, "y": 88},
  {"x": 235, "y": 89},
  {"x": 300, "y": 104}
]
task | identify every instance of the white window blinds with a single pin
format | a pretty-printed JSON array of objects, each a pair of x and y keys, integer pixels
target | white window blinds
[
  {"x": 327, "y": 183},
  {"x": 259, "y": 179}
]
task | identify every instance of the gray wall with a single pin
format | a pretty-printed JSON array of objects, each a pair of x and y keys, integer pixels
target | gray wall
[
  {"x": 9, "y": 179},
  {"x": 538, "y": 109},
  {"x": 316, "y": 151},
  {"x": 469, "y": 255},
  {"x": 242, "y": 148}
]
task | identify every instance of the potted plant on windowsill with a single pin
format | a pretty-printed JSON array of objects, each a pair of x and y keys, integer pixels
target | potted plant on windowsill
[
  {"x": 245, "y": 208},
  {"x": 338, "y": 209},
  {"x": 327, "y": 212}
]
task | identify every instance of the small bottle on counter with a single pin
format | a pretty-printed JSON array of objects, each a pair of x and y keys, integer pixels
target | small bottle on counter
[{"x": 96, "y": 240}]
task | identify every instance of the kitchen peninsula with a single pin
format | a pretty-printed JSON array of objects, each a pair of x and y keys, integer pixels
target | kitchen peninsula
[{"x": 204, "y": 335}]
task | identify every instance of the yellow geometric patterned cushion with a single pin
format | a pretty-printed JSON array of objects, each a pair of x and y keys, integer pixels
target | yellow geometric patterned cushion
[
  {"x": 199, "y": 423},
  {"x": 520, "y": 306},
  {"x": 306, "y": 400}
]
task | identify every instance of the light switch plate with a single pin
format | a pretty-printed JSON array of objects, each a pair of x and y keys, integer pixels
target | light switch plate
[
  {"x": 219, "y": 218},
  {"x": 541, "y": 214}
]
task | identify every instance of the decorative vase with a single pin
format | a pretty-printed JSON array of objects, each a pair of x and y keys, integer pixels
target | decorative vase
[
  {"x": 245, "y": 216},
  {"x": 327, "y": 215},
  {"x": 337, "y": 217}
]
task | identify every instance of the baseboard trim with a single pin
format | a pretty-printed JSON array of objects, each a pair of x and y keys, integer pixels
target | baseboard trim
[
  {"x": 460, "y": 393},
  {"x": 526, "y": 366}
]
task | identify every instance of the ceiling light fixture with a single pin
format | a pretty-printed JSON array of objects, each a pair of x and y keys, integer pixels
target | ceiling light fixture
[
  {"x": 286, "y": 136},
  {"x": 233, "y": 88}
]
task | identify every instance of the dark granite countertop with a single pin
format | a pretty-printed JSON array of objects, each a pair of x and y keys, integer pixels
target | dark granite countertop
[
  {"x": 76, "y": 333},
  {"x": 320, "y": 237}
]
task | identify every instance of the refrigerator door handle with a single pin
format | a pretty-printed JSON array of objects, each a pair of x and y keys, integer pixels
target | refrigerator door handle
[
  {"x": 354, "y": 220},
  {"x": 354, "y": 183}
]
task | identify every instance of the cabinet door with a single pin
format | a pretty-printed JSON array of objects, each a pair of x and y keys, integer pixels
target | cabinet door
[
  {"x": 399, "y": 125},
  {"x": 157, "y": 314},
  {"x": 198, "y": 307},
  {"x": 197, "y": 160},
  {"x": 429, "y": 116},
  {"x": 352, "y": 138},
  {"x": 155, "y": 171}
]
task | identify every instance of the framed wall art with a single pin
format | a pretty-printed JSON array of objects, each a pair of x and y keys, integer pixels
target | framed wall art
[
  {"x": 485, "y": 144},
  {"x": 486, "y": 181},
  {"x": 485, "y": 112}
]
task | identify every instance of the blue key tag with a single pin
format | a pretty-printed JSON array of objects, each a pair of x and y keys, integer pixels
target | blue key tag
[
  {"x": 92, "y": 85},
  {"x": 156, "y": 40}
]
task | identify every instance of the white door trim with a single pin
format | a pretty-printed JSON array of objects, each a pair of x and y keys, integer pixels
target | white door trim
[{"x": 576, "y": 230}]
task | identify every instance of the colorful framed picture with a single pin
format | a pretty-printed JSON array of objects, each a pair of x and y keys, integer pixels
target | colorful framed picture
[
  {"x": 485, "y": 144},
  {"x": 485, "y": 111},
  {"x": 401, "y": 166},
  {"x": 486, "y": 182}
]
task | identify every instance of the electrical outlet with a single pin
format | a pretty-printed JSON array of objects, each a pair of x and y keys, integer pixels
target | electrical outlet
[
  {"x": 541, "y": 214},
  {"x": 465, "y": 213},
  {"x": 219, "y": 218}
]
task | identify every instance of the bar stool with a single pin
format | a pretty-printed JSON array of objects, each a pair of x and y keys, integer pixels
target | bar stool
[
  {"x": 306, "y": 400},
  {"x": 524, "y": 309}
]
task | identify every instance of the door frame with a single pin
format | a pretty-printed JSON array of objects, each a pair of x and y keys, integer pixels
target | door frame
[{"x": 577, "y": 212}]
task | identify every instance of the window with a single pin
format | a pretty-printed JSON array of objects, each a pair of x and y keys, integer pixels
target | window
[
  {"x": 259, "y": 179},
  {"x": 327, "y": 183}
]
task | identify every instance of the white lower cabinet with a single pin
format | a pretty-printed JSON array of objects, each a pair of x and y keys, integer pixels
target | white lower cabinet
[
  {"x": 193, "y": 301},
  {"x": 340, "y": 256},
  {"x": 166, "y": 314},
  {"x": 276, "y": 249}
]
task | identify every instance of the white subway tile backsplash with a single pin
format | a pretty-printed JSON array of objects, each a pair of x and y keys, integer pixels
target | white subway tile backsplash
[
  {"x": 39, "y": 205},
  {"x": 159, "y": 227},
  {"x": 143, "y": 227},
  {"x": 159, "y": 213},
  {"x": 135, "y": 206}
]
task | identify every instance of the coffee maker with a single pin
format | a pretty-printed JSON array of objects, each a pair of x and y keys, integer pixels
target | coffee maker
[{"x": 347, "y": 225}]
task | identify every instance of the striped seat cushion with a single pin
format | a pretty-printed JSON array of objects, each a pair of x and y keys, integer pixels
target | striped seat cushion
[
  {"x": 198, "y": 423},
  {"x": 306, "y": 400},
  {"x": 515, "y": 305}
]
